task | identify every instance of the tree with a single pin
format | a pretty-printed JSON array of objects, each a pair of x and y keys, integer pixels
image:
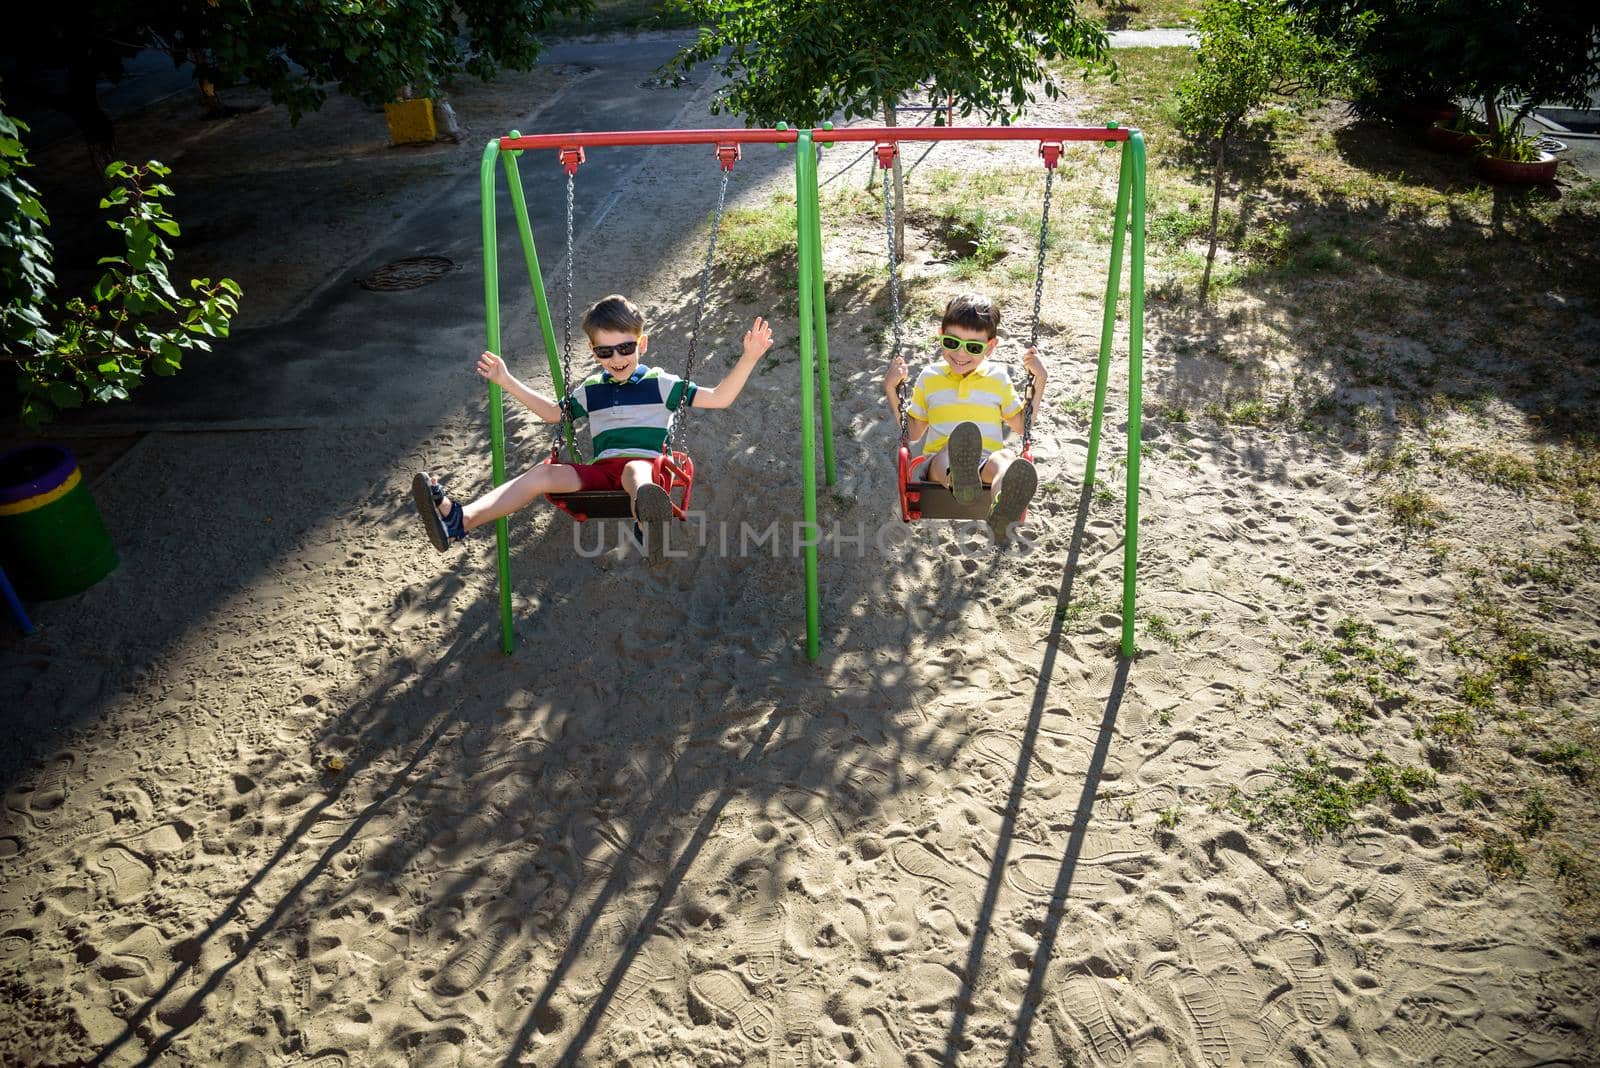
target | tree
[
  {"x": 807, "y": 61},
  {"x": 373, "y": 50},
  {"x": 97, "y": 347},
  {"x": 1502, "y": 55},
  {"x": 1250, "y": 51}
]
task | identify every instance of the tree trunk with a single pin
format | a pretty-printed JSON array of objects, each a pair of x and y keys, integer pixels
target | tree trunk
[
  {"x": 1491, "y": 114},
  {"x": 899, "y": 189},
  {"x": 1216, "y": 209}
]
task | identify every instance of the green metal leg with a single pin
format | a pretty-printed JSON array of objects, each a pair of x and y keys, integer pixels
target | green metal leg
[
  {"x": 1108, "y": 323},
  {"x": 819, "y": 295},
  {"x": 497, "y": 418},
  {"x": 1130, "y": 545},
  {"x": 806, "y": 240}
]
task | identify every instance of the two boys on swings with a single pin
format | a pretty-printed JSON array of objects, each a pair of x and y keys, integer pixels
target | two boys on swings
[{"x": 959, "y": 409}]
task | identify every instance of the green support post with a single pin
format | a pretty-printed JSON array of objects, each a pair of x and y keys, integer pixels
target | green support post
[
  {"x": 497, "y": 415},
  {"x": 1108, "y": 322},
  {"x": 1130, "y": 543},
  {"x": 819, "y": 296},
  {"x": 530, "y": 254},
  {"x": 808, "y": 228}
]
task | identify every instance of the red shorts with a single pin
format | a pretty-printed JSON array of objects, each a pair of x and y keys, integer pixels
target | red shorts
[{"x": 604, "y": 474}]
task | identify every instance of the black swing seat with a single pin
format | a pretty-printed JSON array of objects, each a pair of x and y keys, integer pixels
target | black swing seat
[
  {"x": 674, "y": 473},
  {"x": 932, "y": 500}
]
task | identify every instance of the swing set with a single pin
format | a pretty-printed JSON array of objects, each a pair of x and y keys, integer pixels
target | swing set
[{"x": 674, "y": 469}]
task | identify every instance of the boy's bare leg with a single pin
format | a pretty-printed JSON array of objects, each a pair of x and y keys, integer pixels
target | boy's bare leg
[
  {"x": 518, "y": 493},
  {"x": 634, "y": 475},
  {"x": 938, "y": 468},
  {"x": 994, "y": 470}
]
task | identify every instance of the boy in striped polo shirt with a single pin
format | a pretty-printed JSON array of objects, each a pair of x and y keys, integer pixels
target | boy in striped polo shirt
[
  {"x": 959, "y": 410},
  {"x": 629, "y": 407}
]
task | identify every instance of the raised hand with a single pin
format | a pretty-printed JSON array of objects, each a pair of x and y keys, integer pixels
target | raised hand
[
  {"x": 758, "y": 339},
  {"x": 494, "y": 369}
]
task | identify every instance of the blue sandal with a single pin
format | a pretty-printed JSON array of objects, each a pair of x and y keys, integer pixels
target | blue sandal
[{"x": 442, "y": 530}]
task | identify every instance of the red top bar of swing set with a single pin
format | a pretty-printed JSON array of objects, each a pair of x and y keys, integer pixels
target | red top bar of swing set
[{"x": 880, "y": 134}]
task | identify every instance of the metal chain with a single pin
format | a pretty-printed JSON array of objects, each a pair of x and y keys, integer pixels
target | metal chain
[
  {"x": 894, "y": 305},
  {"x": 1038, "y": 301},
  {"x": 566, "y": 336},
  {"x": 700, "y": 309}
]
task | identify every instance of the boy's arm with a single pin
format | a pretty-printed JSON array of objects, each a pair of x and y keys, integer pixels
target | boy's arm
[
  {"x": 757, "y": 340},
  {"x": 1035, "y": 368},
  {"x": 494, "y": 369}
]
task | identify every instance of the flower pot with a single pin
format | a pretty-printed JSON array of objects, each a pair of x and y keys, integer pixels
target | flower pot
[
  {"x": 411, "y": 122},
  {"x": 52, "y": 542},
  {"x": 1515, "y": 172},
  {"x": 1452, "y": 141}
]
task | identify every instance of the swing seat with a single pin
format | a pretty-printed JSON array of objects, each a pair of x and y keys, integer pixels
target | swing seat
[
  {"x": 932, "y": 500},
  {"x": 674, "y": 473}
]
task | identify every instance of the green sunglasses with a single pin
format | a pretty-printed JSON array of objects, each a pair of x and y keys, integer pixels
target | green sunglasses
[{"x": 976, "y": 348}]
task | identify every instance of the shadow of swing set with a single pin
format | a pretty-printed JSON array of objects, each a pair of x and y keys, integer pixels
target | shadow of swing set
[{"x": 674, "y": 469}]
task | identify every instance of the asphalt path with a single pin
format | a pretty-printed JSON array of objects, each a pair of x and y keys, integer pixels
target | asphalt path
[{"x": 355, "y": 357}]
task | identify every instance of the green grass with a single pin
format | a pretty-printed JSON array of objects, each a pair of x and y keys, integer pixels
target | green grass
[
  {"x": 1503, "y": 859},
  {"x": 1536, "y": 815},
  {"x": 758, "y": 238},
  {"x": 1319, "y": 799},
  {"x": 1414, "y": 510}
]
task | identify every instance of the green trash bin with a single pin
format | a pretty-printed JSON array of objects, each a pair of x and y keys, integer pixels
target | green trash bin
[{"x": 52, "y": 542}]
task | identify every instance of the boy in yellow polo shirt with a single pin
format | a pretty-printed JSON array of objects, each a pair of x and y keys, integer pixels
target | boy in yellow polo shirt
[{"x": 960, "y": 409}]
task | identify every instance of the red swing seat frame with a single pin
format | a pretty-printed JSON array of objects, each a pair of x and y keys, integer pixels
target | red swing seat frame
[
  {"x": 674, "y": 473},
  {"x": 921, "y": 499}
]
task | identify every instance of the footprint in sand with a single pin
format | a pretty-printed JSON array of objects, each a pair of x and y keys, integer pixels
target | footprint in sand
[
  {"x": 810, "y": 810},
  {"x": 760, "y": 947},
  {"x": 1417, "y": 1031},
  {"x": 721, "y": 997},
  {"x": 41, "y": 800},
  {"x": 799, "y": 1012},
  {"x": 1313, "y": 993},
  {"x": 129, "y": 874},
  {"x": 1083, "y": 1001},
  {"x": 919, "y": 860},
  {"x": 472, "y": 962},
  {"x": 878, "y": 1043},
  {"x": 15, "y": 946},
  {"x": 649, "y": 968},
  {"x": 1262, "y": 890},
  {"x": 1102, "y": 862},
  {"x": 333, "y": 1058},
  {"x": 1203, "y": 1003}
]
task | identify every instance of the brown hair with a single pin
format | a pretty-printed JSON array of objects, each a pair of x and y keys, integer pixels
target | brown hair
[
  {"x": 972, "y": 312},
  {"x": 615, "y": 312}
]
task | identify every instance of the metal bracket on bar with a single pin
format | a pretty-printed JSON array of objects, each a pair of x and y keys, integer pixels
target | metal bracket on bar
[
  {"x": 1050, "y": 151},
  {"x": 886, "y": 153},
  {"x": 570, "y": 158},
  {"x": 728, "y": 153}
]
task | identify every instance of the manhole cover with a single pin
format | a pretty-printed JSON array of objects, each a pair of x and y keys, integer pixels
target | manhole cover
[{"x": 414, "y": 272}]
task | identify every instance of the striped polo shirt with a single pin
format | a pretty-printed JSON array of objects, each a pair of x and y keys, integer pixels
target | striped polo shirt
[
  {"x": 944, "y": 400},
  {"x": 631, "y": 417}
]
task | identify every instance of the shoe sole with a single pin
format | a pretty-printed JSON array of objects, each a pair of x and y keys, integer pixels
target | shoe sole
[
  {"x": 653, "y": 508},
  {"x": 1016, "y": 491},
  {"x": 966, "y": 449},
  {"x": 422, "y": 494}
]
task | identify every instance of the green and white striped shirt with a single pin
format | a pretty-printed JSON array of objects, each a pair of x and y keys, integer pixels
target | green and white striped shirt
[{"x": 630, "y": 418}]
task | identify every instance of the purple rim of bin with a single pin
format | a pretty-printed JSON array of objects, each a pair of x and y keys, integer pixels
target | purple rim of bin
[{"x": 55, "y": 476}]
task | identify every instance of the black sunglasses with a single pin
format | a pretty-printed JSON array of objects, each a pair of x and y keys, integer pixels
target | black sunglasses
[
  {"x": 951, "y": 342},
  {"x": 605, "y": 352}
]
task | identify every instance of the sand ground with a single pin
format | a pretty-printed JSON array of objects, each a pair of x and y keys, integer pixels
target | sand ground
[{"x": 276, "y": 797}]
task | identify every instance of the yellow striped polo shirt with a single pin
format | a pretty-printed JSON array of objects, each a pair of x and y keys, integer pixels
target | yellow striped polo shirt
[{"x": 944, "y": 400}]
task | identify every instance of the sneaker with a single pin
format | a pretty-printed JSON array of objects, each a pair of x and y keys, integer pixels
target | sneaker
[
  {"x": 966, "y": 453},
  {"x": 1017, "y": 487},
  {"x": 427, "y": 494},
  {"x": 653, "y": 507}
]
